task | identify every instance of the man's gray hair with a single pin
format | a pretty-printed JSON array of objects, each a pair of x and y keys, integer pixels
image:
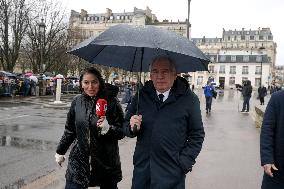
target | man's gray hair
[{"x": 164, "y": 57}]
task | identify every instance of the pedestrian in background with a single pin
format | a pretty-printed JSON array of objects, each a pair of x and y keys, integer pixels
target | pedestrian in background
[
  {"x": 262, "y": 92},
  {"x": 272, "y": 143},
  {"x": 246, "y": 92},
  {"x": 94, "y": 159},
  {"x": 168, "y": 127},
  {"x": 208, "y": 92}
]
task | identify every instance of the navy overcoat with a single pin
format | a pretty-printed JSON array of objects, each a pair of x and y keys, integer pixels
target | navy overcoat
[
  {"x": 170, "y": 137},
  {"x": 272, "y": 135}
]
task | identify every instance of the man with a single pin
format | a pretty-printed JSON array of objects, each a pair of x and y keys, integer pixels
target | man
[
  {"x": 262, "y": 92},
  {"x": 170, "y": 129},
  {"x": 246, "y": 92},
  {"x": 272, "y": 143},
  {"x": 208, "y": 92}
]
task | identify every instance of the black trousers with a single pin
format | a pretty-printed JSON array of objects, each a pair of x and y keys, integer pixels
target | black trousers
[
  {"x": 246, "y": 103},
  {"x": 261, "y": 99},
  {"x": 208, "y": 103}
]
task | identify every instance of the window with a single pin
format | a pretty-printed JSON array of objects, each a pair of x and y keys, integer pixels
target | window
[
  {"x": 103, "y": 18},
  {"x": 245, "y": 70},
  {"x": 199, "y": 80},
  {"x": 259, "y": 58},
  {"x": 111, "y": 17},
  {"x": 229, "y": 38},
  {"x": 222, "y": 69},
  {"x": 232, "y": 69},
  {"x": 222, "y": 58},
  {"x": 243, "y": 37},
  {"x": 257, "y": 70},
  {"x": 233, "y": 58},
  {"x": 260, "y": 37},
  {"x": 211, "y": 69},
  {"x": 257, "y": 82},
  {"x": 270, "y": 37},
  {"x": 251, "y": 37},
  {"x": 246, "y": 58},
  {"x": 212, "y": 59},
  {"x": 232, "y": 81},
  {"x": 118, "y": 17}
]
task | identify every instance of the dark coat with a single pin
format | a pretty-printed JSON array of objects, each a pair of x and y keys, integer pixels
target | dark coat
[
  {"x": 170, "y": 137},
  {"x": 272, "y": 135},
  {"x": 247, "y": 89},
  {"x": 262, "y": 92},
  {"x": 102, "y": 150}
]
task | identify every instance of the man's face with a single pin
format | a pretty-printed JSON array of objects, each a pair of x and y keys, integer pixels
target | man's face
[{"x": 162, "y": 76}]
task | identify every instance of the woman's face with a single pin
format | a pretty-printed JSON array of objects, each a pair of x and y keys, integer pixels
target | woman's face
[{"x": 90, "y": 84}]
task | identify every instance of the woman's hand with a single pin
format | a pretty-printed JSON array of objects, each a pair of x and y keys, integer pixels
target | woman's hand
[
  {"x": 59, "y": 159},
  {"x": 103, "y": 124}
]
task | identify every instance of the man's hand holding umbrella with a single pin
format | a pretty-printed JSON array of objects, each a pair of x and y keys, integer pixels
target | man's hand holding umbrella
[{"x": 135, "y": 122}]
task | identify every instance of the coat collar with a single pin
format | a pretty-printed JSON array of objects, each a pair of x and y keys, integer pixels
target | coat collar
[{"x": 180, "y": 87}]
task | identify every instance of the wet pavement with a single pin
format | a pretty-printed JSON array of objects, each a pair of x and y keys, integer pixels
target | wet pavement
[{"x": 29, "y": 134}]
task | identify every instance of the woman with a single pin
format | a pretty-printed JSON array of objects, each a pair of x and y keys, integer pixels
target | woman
[{"x": 94, "y": 159}]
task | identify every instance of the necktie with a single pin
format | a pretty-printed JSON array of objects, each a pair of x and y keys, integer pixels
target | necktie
[{"x": 161, "y": 97}]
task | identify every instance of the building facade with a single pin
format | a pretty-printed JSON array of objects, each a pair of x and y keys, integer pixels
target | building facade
[
  {"x": 251, "y": 52},
  {"x": 83, "y": 25}
]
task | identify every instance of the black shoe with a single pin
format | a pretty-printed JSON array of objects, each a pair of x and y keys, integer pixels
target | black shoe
[
  {"x": 247, "y": 111},
  {"x": 206, "y": 111}
]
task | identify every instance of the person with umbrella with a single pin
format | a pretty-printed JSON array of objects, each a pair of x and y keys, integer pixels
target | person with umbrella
[
  {"x": 94, "y": 159},
  {"x": 168, "y": 127}
]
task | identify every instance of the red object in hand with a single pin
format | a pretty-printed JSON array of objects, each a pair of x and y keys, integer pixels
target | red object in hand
[{"x": 101, "y": 107}]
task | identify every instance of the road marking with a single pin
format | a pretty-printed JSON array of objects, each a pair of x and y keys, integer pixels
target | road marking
[{"x": 14, "y": 117}]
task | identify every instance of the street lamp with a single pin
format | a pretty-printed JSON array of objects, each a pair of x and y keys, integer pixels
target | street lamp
[
  {"x": 261, "y": 52},
  {"x": 187, "y": 23},
  {"x": 41, "y": 27}
]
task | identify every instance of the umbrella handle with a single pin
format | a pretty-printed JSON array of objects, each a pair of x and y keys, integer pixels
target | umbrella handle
[{"x": 135, "y": 129}]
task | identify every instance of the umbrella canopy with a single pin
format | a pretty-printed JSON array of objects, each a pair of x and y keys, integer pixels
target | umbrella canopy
[
  {"x": 28, "y": 74},
  {"x": 133, "y": 48},
  {"x": 34, "y": 78}
]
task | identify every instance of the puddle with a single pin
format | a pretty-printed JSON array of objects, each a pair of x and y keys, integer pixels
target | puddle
[{"x": 26, "y": 143}]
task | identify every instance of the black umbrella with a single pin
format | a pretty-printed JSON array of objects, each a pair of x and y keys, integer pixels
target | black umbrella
[{"x": 132, "y": 48}]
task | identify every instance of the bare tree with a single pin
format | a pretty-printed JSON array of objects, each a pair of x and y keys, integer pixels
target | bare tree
[
  {"x": 47, "y": 51},
  {"x": 13, "y": 25}
]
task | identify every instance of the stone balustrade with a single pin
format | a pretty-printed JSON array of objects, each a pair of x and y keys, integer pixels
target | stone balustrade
[{"x": 259, "y": 113}]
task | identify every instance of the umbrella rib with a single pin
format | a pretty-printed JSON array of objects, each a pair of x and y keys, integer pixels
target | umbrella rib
[
  {"x": 104, "y": 46},
  {"x": 133, "y": 61}
]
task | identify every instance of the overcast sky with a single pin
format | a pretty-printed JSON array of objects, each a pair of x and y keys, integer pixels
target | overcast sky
[{"x": 207, "y": 17}]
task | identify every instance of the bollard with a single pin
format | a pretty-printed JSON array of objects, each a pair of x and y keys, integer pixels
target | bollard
[{"x": 58, "y": 91}]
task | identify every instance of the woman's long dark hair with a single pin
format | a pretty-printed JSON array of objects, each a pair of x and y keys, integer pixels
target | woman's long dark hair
[{"x": 96, "y": 73}]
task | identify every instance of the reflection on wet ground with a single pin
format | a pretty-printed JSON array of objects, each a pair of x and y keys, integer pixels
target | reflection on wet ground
[
  {"x": 26, "y": 143},
  {"x": 13, "y": 104}
]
